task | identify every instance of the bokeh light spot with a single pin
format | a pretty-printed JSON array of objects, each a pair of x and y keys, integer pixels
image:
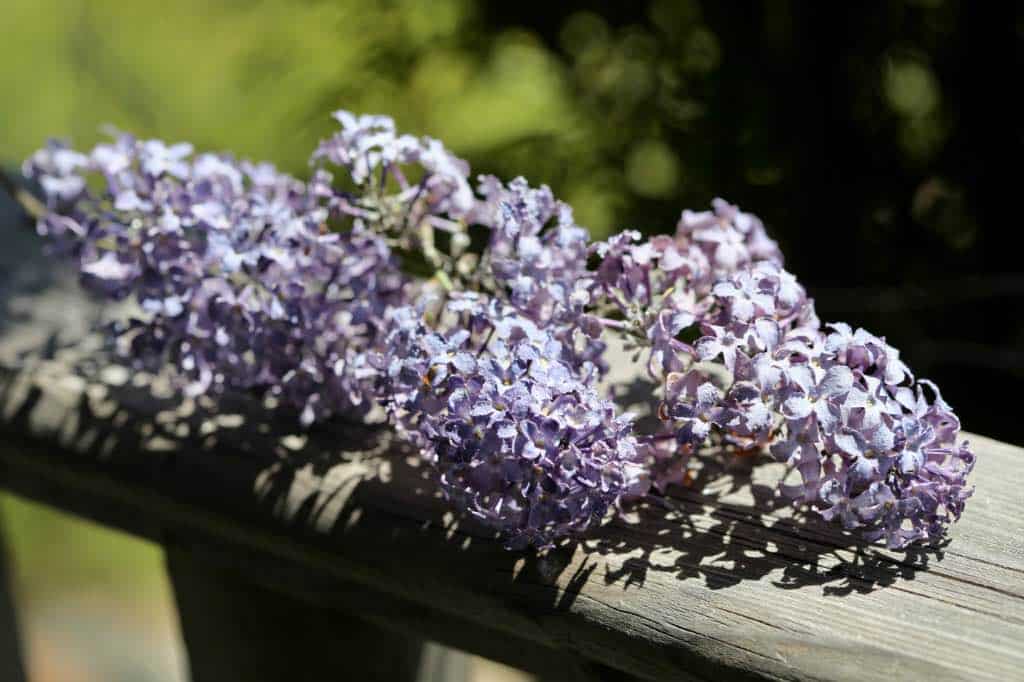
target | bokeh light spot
[{"x": 652, "y": 169}]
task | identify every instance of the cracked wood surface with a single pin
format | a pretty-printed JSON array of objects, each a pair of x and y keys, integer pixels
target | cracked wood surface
[{"x": 722, "y": 580}]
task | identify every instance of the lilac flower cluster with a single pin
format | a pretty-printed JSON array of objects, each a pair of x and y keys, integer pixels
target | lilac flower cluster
[
  {"x": 745, "y": 363},
  {"x": 489, "y": 359},
  {"x": 537, "y": 262},
  {"x": 660, "y": 292},
  {"x": 240, "y": 284},
  {"x": 408, "y": 189},
  {"x": 521, "y": 441}
]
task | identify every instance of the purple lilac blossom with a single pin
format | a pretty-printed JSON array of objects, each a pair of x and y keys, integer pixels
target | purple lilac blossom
[
  {"x": 659, "y": 291},
  {"x": 250, "y": 279},
  {"x": 536, "y": 261},
  {"x": 239, "y": 283},
  {"x": 872, "y": 449},
  {"x": 369, "y": 148},
  {"x": 408, "y": 188},
  {"x": 537, "y": 253},
  {"x": 519, "y": 439}
]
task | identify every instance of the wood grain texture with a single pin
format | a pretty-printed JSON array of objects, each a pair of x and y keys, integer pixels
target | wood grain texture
[{"x": 721, "y": 581}]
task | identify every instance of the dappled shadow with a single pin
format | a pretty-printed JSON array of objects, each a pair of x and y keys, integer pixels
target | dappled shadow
[
  {"x": 345, "y": 516},
  {"x": 235, "y": 452},
  {"x": 729, "y": 526},
  {"x": 41, "y": 303},
  {"x": 357, "y": 489},
  {"x": 20, "y": 260},
  {"x": 726, "y": 527}
]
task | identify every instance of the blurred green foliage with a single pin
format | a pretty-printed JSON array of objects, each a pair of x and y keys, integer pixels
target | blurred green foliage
[
  {"x": 627, "y": 114},
  {"x": 260, "y": 78},
  {"x": 54, "y": 553}
]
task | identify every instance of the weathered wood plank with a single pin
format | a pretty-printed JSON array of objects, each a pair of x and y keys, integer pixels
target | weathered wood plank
[
  {"x": 723, "y": 582},
  {"x": 11, "y": 666},
  {"x": 235, "y": 630}
]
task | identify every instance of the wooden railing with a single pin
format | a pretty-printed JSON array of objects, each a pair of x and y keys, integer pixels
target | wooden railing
[{"x": 328, "y": 555}]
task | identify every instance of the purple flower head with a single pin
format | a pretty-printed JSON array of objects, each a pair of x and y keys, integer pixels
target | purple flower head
[
  {"x": 537, "y": 253},
  {"x": 520, "y": 440},
  {"x": 720, "y": 274},
  {"x": 536, "y": 261},
  {"x": 248, "y": 279},
  {"x": 237, "y": 282},
  {"x": 881, "y": 458},
  {"x": 839, "y": 407}
]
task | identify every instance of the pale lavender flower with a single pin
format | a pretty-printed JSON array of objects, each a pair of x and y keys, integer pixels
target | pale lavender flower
[
  {"x": 238, "y": 282},
  {"x": 241, "y": 284},
  {"x": 519, "y": 439}
]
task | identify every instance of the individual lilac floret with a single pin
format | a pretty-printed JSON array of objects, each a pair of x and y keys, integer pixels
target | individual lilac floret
[
  {"x": 240, "y": 285},
  {"x": 729, "y": 237},
  {"x": 519, "y": 440}
]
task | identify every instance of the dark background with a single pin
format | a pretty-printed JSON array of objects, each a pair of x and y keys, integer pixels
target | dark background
[{"x": 879, "y": 142}]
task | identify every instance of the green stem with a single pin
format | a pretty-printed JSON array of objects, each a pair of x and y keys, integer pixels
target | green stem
[{"x": 34, "y": 208}]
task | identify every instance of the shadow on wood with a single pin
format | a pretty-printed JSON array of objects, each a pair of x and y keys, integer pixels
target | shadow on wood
[
  {"x": 345, "y": 501},
  {"x": 11, "y": 666},
  {"x": 234, "y": 630}
]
